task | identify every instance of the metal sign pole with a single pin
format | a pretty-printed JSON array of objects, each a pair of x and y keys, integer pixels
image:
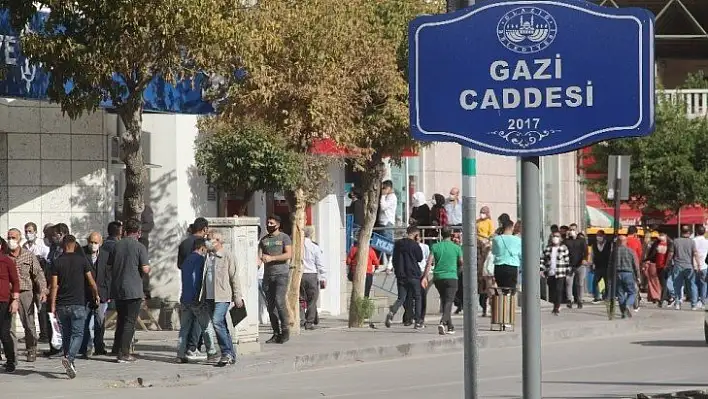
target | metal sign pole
[
  {"x": 531, "y": 283},
  {"x": 469, "y": 248}
]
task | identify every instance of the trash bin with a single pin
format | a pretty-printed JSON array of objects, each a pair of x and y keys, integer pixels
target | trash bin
[{"x": 503, "y": 303}]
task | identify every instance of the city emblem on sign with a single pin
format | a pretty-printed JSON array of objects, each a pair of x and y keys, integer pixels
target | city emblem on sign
[{"x": 531, "y": 78}]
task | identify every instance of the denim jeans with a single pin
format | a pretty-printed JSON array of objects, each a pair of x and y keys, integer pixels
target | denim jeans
[
  {"x": 406, "y": 288},
  {"x": 221, "y": 328},
  {"x": 667, "y": 283},
  {"x": 702, "y": 285},
  {"x": 195, "y": 319},
  {"x": 682, "y": 276},
  {"x": 95, "y": 330},
  {"x": 626, "y": 289},
  {"x": 72, "y": 319}
]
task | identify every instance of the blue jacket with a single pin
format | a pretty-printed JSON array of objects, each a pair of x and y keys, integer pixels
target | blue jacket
[{"x": 192, "y": 273}]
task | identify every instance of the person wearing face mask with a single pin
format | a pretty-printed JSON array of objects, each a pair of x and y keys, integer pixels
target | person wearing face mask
[
  {"x": 658, "y": 254},
  {"x": 31, "y": 278},
  {"x": 33, "y": 244},
  {"x": 93, "y": 342},
  {"x": 275, "y": 251},
  {"x": 600, "y": 260},
  {"x": 575, "y": 279},
  {"x": 195, "y": 317},
  {"x": 485, "y": 226},
  {"x": 453, "y": 207},
  {"x": 555, "y": 265}
]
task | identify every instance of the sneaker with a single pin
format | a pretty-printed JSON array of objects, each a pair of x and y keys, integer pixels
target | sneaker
[
  {"x": 596, "y": 301},
  {"x": 418, "y": 326},
  {"x": 309, "y": 326},
  {"x": 407, "y": 323},
  {"x": 569, "y": 305},
  {"x": 451, "y": 330},
  {"x": 389, "y": 319},
  {"x": 10, "y": 368},
  {"x": 677, "y": 306},
  {"x": 69, "y": 367},
  {"x": 182, "y": 360},
  {"x": 694, "y": 307},
  {"x": 275, "y": 339},
  {"x": 194, "y": 355},
  {"x": 32, "y": 355},
  {"x": 126, "y": 359},
  {"x": 555, "y": 312},
  {"x": 671, "y": 301},
  {"x": 580, "y": 305},
  {"x": 226, "y": 360},
  {"x": 100, "y": 353},
  {"x": 441, "y": 330}
]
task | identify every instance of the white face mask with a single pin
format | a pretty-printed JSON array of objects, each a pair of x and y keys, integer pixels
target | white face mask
[
  {"x": 482, "y": 216},
  {"x": 94, "y": 248},
  {"x": 573, "y": 234},
  {"x": 12, "y": 244},
  {"x": 600, "y": 239},
  {"x": 30, "y": 236},
  {"x": 556, "y": 240}
]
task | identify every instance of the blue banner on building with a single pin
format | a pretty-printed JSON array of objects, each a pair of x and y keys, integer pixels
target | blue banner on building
[{"x": 25, "y": 80}]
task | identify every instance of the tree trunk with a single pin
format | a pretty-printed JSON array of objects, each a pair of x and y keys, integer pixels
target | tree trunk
[
  {"x": 298, "y": 238},
  {"x": 131, "y": 153},
  {"x": 371, "y": 185},
  {"x": 243, "y": 208}
]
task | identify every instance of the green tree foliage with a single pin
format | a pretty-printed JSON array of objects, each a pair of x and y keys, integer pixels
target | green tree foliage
[
  {"x": 669, "y": 169},
  {"x": 249, "y": 157},
  {"x": 88, "y": 41},
  {"x": 382, "y": 113}
]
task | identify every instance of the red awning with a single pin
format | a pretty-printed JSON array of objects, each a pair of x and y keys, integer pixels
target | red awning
[
  {"x": 629, "y": 216},
  {"x": 331, "y": 148}
]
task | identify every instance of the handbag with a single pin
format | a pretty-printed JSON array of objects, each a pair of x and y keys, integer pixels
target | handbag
[
  {"x": 238, "y": 314},
  {"x": 488, "y": 270}
]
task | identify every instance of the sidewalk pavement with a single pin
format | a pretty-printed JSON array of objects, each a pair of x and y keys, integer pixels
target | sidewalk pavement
[{"x": 333, "y": 344}]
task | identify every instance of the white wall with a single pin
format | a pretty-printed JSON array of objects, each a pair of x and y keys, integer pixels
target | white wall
[
  {"x": 330, "y": 229},
  {"x": 52, "y": 169},
  {"x": 178, "y": 195}
]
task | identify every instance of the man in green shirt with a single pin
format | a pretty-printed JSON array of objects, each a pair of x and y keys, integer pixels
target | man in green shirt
[{"x": 447, "y": 257}]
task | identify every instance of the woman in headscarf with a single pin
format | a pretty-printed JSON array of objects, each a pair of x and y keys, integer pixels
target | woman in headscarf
[
  {"x": 420, "y": 215},
  {"x": 438, "y": 214}
]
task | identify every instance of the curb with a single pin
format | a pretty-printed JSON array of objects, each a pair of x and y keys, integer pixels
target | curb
[{"x": 432, "y": 346}]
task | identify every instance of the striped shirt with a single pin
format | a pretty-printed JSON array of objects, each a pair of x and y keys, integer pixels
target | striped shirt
[{"x": 30, "y": 272}]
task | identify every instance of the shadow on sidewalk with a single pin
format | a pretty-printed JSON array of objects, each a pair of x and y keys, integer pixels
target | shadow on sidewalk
[
  {"x": 673, "y": 343},
  {"x": 45, "y": 374}
]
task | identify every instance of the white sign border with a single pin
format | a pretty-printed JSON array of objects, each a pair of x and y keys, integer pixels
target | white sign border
[{"x": 558, "y": 146}]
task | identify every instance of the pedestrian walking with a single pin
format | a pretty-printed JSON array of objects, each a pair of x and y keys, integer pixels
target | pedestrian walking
[
  {"x": 407, "y": 256},
  {"x": 221, "y": 289},
  {"x": 658, "y": 255},
  {"x": 447, "y": 258},
  {"x": 71, "y": 274},
  {"x": 94, "y": 332},
  {"x": 702, "y": 270},
  {"x": 575, "y": 280},
  {"x": 32, "y": 281},
  {"x": 686, "y": 262},
  {"x": 314, "y": 278},
  {"x": 601, "y": 252},
  {"x": 627, "y": 268},
  {"x": 128, "y": 263},
  {"x": 9, "y": 305},
  {"x": 555, "y": 265}
]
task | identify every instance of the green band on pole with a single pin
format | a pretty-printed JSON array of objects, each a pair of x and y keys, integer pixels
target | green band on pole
[{"x": 469, "y": 167}]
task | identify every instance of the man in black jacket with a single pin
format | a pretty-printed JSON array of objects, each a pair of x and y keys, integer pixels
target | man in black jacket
[
  {"x": 95, "y": 321},
  {"x": 601, "y": 252},
  {"x": 575, "y": 280},
  {"x": 407, "y": 256},
  {"x": 115, "y": 231}
]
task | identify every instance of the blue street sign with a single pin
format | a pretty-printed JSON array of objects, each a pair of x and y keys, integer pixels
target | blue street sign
[
  {"x": 532, "y": 78},
  {"x": 29, "y": 81}
]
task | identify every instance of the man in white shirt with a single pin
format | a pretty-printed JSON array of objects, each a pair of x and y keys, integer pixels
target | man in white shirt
[
  {"x": 314, "y": 277},
  {"x": 454, "y": 208},
  {"x": 387, "y": 208},
  {"x": 33, "y": 244},
  {"x": 701, "y": 274}
]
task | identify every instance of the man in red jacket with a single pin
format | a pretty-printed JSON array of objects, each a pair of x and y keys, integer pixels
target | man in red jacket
[
  {"x": 635, "y": 244},
  {"x": 9, "y": 304}
]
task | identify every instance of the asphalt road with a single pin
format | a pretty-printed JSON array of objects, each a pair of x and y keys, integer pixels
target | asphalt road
[{"x": 595, "y": 368}]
